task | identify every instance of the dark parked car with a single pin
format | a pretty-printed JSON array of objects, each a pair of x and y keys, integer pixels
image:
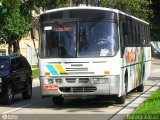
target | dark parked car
[{"x": 15, "y": 77}]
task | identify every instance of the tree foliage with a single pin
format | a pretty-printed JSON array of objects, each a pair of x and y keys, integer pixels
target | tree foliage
[
  {"x": 138, "y": 8},
  {"x": 17, "y": 19},
  {"x": 15, "y": 23},
  {"x": 155, "y": 20},
  {"x": 51, "y": 4}
]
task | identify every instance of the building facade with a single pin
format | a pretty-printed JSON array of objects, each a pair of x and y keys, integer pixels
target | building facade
[{"x": 26, "y": 49}]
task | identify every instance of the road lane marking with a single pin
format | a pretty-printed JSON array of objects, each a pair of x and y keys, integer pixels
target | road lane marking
[{"x": 16, "y": 109}]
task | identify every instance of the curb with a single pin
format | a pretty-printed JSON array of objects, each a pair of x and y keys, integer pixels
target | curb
[
  {"x": 133, "y": 105},
  {"x": 35, "y": 80}
]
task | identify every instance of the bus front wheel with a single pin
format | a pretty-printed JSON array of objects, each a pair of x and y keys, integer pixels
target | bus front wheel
[
  {"x": 121, "y": 100},
  {"x": 57, "y": 100}
]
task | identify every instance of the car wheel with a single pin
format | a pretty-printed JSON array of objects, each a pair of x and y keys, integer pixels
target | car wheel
[
  {"x": 57, "y": 100},
  {"x": 27, "y": 93},
  {"x": 9, "y": 95}
]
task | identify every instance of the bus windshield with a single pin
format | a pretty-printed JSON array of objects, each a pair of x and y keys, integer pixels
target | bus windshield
[
  {"x": 85, "y": 39},
  {"x": 98, "y": 39}
]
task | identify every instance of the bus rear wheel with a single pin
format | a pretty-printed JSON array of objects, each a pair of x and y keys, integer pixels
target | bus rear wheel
[
  {"x": 140, "y": 88},
  {"x": 57, "y": 100}
]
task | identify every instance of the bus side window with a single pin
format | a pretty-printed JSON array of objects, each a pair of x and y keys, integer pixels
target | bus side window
[{"x": 125, "y": 34}]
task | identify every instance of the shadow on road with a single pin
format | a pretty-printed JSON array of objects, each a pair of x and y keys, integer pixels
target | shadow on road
[
  {"x": 154, "y": 78},
  {"x": 19, "y": 101},
  {"x": 37, "y": 102}
]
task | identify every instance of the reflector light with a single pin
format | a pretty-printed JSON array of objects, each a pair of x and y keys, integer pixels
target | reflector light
[
  {"x": 47, "y": 73},
  {"x": 106, "y": 72}
]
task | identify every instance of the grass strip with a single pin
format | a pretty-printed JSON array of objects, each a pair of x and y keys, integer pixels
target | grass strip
[
  {"x": 35, "y": 73},
  {"x": 149, "y": 110}
]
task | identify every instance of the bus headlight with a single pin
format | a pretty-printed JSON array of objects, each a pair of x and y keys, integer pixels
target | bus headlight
[
  {"x": 48, "y": 81},
  {"x": 96, "y": 80},
  {"x": 99, "y": 80},
  {"x": 58, "y": 80},
  {"x": 103, "y": 80}
]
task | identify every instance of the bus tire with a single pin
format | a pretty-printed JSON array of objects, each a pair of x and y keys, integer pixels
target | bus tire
[
  {"x": 140, "y": 88},
  {"x": 122, "y": 99},
  {"x": 57, "y": 100}
]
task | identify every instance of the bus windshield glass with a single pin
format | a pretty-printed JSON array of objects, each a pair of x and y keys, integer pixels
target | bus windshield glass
[
  {"x": 59, "y": 40},
  {"x": 98, "y": 39},
  {"x": 86, "y": 39}
]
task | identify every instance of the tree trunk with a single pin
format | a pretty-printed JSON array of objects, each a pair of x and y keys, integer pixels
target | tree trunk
[
  {"x": 16, "y": 48},
  {"x": 9, "y": 48}
]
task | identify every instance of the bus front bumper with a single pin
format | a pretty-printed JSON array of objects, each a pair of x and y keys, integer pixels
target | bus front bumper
[{"x": 79, "y": 86}]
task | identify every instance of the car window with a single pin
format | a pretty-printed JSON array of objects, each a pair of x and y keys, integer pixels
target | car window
[{"x": 4, "y": 64}]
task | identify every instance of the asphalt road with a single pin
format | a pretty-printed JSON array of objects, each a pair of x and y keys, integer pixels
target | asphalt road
[{"x": 43, "y": 109}]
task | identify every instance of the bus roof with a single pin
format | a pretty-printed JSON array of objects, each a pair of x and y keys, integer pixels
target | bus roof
[
  {"x": 95, "y": 8},
  {"x": 82, "y": 7},
  {"x": 133, "y": 17}
]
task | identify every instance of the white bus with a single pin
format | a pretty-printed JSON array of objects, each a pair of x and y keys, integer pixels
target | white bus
[{"x": 91, "y": 52}]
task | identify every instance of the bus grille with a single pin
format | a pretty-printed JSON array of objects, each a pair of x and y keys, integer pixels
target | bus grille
[
  {"x": 77, "y": 89},
  {"x": 77, "y": 80},
  {"x": 70, "y": 80}
]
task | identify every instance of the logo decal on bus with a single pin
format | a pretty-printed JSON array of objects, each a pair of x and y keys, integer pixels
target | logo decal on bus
[
  {"x": 131, "y": 56},
  {"x": 56, "y": 69}
]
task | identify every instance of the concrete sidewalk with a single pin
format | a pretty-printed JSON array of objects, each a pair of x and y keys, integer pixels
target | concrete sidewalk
[
  {"x": 131, "y": 107},
  {"x": 34, "y": 68}
]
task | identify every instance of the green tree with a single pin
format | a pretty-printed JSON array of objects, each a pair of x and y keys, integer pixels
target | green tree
[
  {"x": 1, "y": 8},
  {"x": 15, "y": 23},
  {"x": 138, "y": 8},
  {"x": 51, "y": 4},
  {"x": 155, "y": 20},
  {"x": 17, "y": 19}
]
